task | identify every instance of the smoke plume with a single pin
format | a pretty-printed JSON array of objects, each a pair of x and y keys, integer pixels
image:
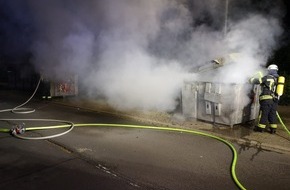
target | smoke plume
[{"x": 136, "y": 54}]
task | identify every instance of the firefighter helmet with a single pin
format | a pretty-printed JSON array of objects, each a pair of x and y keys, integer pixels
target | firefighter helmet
[{"x": 273, "y": 67}]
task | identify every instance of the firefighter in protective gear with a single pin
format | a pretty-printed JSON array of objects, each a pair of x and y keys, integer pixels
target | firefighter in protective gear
[{"x": 268, "y": 99}]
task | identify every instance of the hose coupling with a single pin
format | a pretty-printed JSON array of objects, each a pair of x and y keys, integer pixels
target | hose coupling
[{"x": 18, "y": 129}]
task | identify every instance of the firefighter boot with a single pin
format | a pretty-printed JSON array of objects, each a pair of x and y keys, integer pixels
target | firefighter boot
[
  {"x": 258, "y": 129},
  {"x": 272, "y": 130}
]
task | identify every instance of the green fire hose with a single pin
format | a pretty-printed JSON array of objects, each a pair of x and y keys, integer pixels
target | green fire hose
[
  {"x": 282, "y": 123},
  {"x": 17, "y": 133},
  {"x": 19, "y": 129}
]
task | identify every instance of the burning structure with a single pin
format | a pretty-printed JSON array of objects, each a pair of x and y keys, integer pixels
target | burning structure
[{"x": 219, "y": 102}]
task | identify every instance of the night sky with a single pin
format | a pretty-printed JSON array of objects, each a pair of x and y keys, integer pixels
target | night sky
[{"x": 18, "y": 31}]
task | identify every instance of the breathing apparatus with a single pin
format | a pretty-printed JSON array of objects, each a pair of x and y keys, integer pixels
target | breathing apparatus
[
  {"x": 280, "y": 86},
  {"x": 280, "y": 82}
]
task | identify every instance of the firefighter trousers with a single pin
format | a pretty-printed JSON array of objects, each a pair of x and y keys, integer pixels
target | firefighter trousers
[{"x": 268, "y": 115}]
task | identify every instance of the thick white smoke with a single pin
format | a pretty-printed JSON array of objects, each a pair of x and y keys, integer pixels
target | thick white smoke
[
  {"x": 136, "y": 54},
  {"x": 254, "y": 38}
]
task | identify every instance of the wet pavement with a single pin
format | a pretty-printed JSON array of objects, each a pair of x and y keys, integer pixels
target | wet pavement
[
  {"x": 103, "y": 158},
  {"x": 242, "y": 134}
]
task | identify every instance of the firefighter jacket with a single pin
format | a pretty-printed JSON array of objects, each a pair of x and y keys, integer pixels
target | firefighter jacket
[{"x": 268, "y": 84}]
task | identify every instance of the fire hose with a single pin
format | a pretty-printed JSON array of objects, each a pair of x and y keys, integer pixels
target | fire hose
[
  {"x": 19, "y": 129},
  {"x": 282, "y": 123},
  {"x": 19, "y": 109},
  {"x": 70, "y": 125}
]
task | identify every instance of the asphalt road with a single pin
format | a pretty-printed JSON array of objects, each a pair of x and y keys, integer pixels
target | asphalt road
[{"x": 122, "y": 158}]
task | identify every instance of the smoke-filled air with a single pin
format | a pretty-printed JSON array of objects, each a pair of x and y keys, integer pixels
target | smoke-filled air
[{"x": 136, "y": 53}]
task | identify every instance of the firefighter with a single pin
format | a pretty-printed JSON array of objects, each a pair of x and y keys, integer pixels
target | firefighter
[{"x": 268, "y": 99}]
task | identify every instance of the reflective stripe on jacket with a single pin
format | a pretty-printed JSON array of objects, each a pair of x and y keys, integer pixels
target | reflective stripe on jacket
[{"x": 265, "y": 97}]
